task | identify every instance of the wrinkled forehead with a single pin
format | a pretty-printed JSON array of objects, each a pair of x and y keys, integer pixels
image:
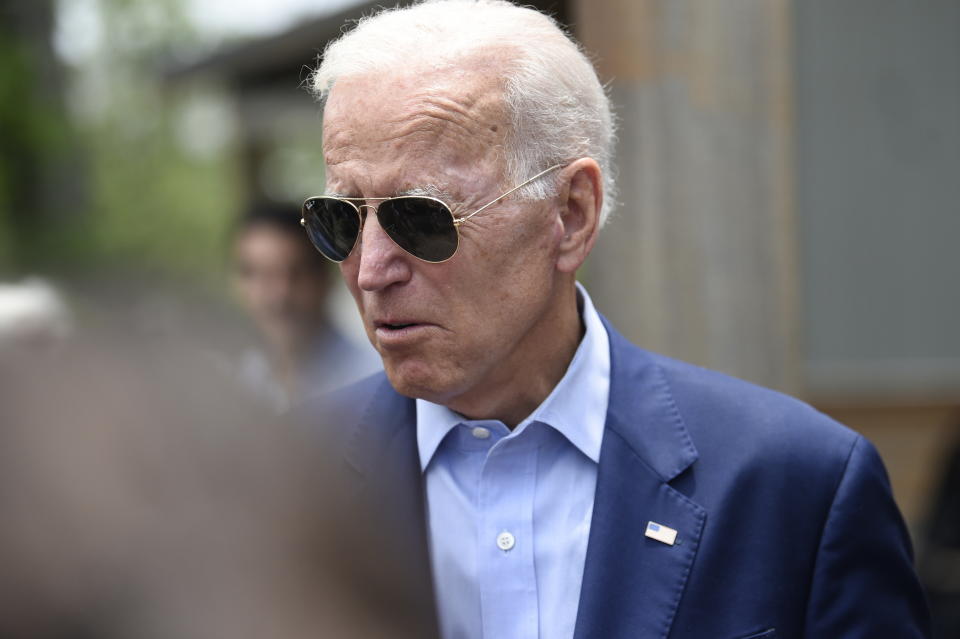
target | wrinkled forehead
[{"x": 455, "y": 113}]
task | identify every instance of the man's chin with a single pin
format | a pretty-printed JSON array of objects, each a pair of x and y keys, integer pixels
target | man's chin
[{"x": 419, "y": 381}]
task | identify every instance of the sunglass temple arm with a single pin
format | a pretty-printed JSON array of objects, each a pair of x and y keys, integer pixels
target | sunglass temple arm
[{"x": 461, "y": 220}]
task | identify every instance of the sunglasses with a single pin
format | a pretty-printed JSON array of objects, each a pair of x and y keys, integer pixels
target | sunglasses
[{"x": 423, "y": 226}]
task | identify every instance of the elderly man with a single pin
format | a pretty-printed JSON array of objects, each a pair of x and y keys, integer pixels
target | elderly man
[{"x": 564, "y": 482}]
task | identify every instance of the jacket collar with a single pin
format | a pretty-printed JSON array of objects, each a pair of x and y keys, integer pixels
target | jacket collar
[
  {"x": 642, "y": 410},
  {"x": 387, "y": 429},
  {"x": 576, "y": 407}
]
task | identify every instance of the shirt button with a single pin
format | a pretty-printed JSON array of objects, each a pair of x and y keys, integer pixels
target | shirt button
[
  {"x": 505, "y": 541},
  {"x": 480, "y": 432}
]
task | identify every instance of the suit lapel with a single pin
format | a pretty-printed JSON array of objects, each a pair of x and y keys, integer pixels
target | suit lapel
[
  {"x": 632, "y": 584},
  {"x": 382, "y": 450},
  {"x": 386, "y": 433}
]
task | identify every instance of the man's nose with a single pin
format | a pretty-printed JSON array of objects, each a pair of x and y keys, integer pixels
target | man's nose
[{"x": 382, "y": 262}]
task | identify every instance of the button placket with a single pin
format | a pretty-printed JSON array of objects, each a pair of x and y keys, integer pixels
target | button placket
[{"x": 506, "y": 563}]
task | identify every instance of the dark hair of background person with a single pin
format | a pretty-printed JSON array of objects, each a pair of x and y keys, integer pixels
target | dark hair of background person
[{"x": 279, "y": 216}]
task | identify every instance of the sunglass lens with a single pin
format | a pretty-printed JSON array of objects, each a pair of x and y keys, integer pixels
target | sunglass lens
[
  {"x": 333, "y": 226},
  {"x": 421, "y": 226}
]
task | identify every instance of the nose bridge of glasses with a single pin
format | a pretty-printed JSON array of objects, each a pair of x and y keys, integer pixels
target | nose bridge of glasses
[
  {"x": 361, "y": 203},
  {"x": 362, "y": 208}
]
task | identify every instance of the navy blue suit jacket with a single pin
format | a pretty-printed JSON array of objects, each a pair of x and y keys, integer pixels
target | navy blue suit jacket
[{"x": 786, "y": 523}]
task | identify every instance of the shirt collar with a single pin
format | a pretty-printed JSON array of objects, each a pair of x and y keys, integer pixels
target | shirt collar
[{"x": 576, "y": 407}]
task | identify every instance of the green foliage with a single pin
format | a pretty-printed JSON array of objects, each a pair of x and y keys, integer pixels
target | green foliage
[
  {"x": 144, "y": 203},
  {"x": 35, "y": 133},
  {"x": 153, "y": 206}
]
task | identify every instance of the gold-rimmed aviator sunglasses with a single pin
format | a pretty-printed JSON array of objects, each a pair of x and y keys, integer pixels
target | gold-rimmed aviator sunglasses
[{"x": 423, "y": 226}]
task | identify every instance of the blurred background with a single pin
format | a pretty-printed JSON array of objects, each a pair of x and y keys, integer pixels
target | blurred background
[{"x": 789, "y": 209}]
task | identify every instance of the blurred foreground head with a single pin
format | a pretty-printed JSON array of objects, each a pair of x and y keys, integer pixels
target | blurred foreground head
[{"x": 143, "y": 496}]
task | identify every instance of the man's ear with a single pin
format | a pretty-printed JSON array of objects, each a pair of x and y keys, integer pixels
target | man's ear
[{"x": 581, "y": 200}]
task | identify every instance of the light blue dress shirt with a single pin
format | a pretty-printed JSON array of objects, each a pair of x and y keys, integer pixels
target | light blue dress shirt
[{"x": 509, "y": 512}]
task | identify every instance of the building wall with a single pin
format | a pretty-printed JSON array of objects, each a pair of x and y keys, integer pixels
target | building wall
[
  {"x": 878, "y": 188},
  {"x": 790, "y": 204}
]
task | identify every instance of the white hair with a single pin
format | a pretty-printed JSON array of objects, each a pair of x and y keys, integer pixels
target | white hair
[{"x": 557, "y": 106}]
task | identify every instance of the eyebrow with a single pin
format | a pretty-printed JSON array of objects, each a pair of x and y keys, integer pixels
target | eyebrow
[{"x": 430, "y": 190}]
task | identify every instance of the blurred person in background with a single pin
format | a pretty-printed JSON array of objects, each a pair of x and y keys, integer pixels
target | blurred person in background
[
  {"x": 142, "y": 498},
  {"x": 561, "y": 482},
  {"x": 284, "y": 284}
]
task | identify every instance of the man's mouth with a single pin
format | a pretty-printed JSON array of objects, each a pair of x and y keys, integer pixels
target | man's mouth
[
  {"x": 400, "y": 332},
  {"x": 396, "y": 327}
]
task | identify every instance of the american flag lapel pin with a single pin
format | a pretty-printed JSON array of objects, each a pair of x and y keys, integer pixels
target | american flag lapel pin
[{"x": 663, "y": 534}]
